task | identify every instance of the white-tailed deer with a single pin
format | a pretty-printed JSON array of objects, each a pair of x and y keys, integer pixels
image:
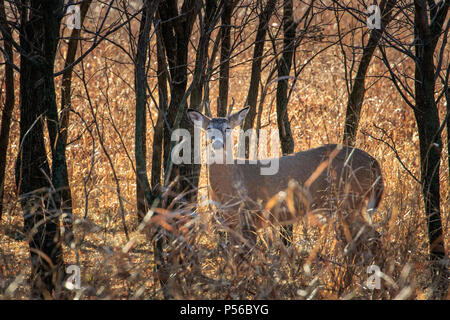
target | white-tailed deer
[{"x": 325, "y": 178}]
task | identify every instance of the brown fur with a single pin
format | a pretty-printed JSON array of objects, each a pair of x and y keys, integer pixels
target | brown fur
[{"x": 354, "y": 183}]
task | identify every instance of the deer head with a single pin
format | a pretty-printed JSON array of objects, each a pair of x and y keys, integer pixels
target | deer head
[{"x": 218, "y": 130}]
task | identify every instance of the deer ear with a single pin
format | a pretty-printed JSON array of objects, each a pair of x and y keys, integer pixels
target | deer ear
[
  {"x": 198, "y": 119},
  {"x": 236, "y": 118}
]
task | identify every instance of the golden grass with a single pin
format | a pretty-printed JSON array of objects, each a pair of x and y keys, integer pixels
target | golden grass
[{"x": 201, "y": 263}]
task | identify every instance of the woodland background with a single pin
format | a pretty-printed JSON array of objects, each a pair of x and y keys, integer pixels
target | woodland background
[{"x": 85, "y": 137}]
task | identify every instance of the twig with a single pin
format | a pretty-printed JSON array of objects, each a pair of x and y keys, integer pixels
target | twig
[{"x": 392, "y": 147}]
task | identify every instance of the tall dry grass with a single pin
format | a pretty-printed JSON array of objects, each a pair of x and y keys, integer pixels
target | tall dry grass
[{"x": 201, "y": 261}]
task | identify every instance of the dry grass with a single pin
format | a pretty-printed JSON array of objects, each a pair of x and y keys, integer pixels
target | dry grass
[{"x": 201, "y": 263}]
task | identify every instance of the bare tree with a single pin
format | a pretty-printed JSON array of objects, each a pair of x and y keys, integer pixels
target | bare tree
[
  {"x": 158, "y": 134},
  {"x": 284, "y": 68},
  {"x": 207, "y": 22},
  {"x": 252, "y": 97},
  {"x": 356, "y": 95},
  {"x": 428, "y": 26},
  {"x": 9, "y": 98},
  {"x": 39, "y": 33},
  {"x": 176, "y": 29},
  {"x": 144, "y": 196},
  {"x": 225, "y": 51},
  {"x": 427, "y": 35},
  {"x": 63, "y": 124}
]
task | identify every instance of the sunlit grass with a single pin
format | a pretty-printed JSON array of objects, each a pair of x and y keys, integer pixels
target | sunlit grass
[{"x": 201, "y": 263}]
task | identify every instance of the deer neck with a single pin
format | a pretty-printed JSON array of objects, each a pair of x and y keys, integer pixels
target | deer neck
[
  {"x": 221, "y": 163},
  {"x": 223, "y": 176}
]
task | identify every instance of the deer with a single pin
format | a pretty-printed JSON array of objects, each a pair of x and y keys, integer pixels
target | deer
[{"x": 323, "y": 176}]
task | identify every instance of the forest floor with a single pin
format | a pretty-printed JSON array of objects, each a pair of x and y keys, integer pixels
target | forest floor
[{"x": 201, "y": 263}]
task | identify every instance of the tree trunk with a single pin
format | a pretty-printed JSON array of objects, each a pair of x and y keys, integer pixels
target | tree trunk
[
  {"x": 175, "y": 34},
  {"x": 143, "y": 191},
  {"x": 210, "y": 19},
  {"x": 39, "y": 31},
  {"x": 284, "y": 67},
  {"x": 198, "y": 80},
  {"x": 62, "y": 132},
  {"x": 225, "y": 58},
  {"x": 447, "y": 98},
  {"x": 356, "y": 97},
  {"x": 66, "y": 83},
  {"x": 158, "y": 135},
  {"x": 427, "y": 119},
  {"x": 252, "y": 97},
  {"x": 9, "y": 100}
]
